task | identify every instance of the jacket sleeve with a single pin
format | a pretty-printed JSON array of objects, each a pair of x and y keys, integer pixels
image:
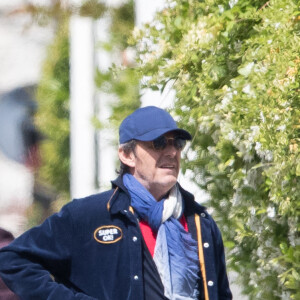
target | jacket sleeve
[
  {"x": 224, "y": 292},
  {"x": 29, "y": 264}
]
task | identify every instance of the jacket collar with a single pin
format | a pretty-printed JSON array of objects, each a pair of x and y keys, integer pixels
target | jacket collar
[
  {"x": 118, "y": 182},
  {"x": 190, "y": 205},
  {"x": 120, "y": 199}
]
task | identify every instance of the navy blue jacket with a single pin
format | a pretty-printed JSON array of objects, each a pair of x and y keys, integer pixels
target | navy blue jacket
[{"x": 92, "y": 249}]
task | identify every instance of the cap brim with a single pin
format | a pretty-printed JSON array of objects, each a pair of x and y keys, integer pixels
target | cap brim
[{"x": 152, "y": 135}]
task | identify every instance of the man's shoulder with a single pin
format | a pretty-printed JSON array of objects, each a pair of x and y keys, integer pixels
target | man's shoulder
[
  {"x": 97, "y": 196},
  {"x": 91, "y": 202}
]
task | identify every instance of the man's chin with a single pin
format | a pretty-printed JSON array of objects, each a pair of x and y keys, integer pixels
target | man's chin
[{"x": 169, "y": 182}]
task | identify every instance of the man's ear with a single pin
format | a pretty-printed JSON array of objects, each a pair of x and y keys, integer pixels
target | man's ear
[{"x": 127, "y": 159}]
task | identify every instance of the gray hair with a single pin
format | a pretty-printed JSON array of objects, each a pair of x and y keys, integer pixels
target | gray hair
[{"x": 127, "y": 148}]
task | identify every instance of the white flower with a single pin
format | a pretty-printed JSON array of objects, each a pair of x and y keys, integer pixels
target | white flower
[
  {"x": 271, "y": 212},
  {"x": 248, "y": 90},
  {"x": 277, "y": 25},
  {"x": 232, "y": 3},
  {"x": 211, "y": 150},
  {"x": 262, "y": 117},
  {"x": 257, "y": 146},
  {"x": 281, "y": 127},
  {"x": 231, "y": 135},
  {"x": 254, "y": 132},
  {"x": 268, "y": 155},
  {"x": 225, "y": 101}
]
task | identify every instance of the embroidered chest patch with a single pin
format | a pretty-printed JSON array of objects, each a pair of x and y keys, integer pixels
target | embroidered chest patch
[{"x": 108, "y": 234}]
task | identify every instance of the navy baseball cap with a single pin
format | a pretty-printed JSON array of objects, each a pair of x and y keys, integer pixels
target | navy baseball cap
[{"x": 147, "y": 124}]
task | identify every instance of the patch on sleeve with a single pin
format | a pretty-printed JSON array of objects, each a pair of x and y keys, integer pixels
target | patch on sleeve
[{"x": 108, "y": 234}]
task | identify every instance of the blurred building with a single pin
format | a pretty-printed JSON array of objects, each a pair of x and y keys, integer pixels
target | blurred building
[
  {"x": 22, "y": 50},
  {"x": 19, "y": 139}
]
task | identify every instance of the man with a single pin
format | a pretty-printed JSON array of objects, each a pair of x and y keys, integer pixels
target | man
[{"x": 146, "y": 238}]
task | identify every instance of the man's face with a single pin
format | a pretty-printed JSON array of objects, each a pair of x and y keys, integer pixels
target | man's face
[{"x": 156, "y": 170}]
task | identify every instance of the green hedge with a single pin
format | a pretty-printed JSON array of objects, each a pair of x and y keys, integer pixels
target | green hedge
[
  {"x": 235, "y": 68},
  {"x": 53, "y": 112}
]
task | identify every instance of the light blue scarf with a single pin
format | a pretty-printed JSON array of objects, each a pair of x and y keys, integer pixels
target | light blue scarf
[{"x": 175, "y": 252}]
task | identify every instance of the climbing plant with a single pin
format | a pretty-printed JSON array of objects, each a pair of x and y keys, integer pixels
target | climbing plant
[
  {"x": 53, "y": 113},
  {"x": 235, "y": 68}
]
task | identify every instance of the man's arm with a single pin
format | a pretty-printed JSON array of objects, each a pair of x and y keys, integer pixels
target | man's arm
[
  {"x": 28, "y": 263},
  {"x": 223, "y": 283}
]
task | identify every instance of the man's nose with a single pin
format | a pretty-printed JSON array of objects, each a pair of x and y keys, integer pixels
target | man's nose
[{"x": 170, "y": 150}]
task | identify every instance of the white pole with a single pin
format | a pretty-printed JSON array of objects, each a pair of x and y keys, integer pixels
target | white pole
[
  {"x": 107, "y": 150},
  {"x": 82, "y": 106}
]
